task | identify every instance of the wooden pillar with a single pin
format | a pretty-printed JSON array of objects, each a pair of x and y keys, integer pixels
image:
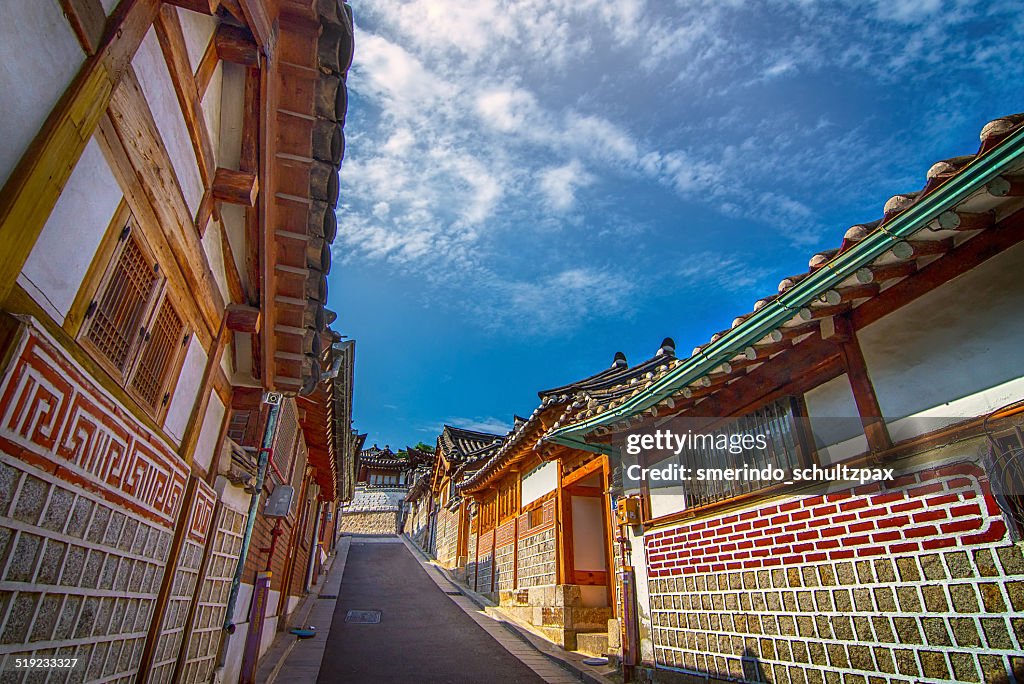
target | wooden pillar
[{"x": 860, "y": 382}]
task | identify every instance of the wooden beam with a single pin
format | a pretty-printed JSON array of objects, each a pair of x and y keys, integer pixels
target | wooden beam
[
  {"x": 207, "y": 65},
  {"x": 242, "y": 318},
  {"x": 961, "y": 259},
  {"x": 172, "y": 44},
  {"x": 955, "y": 220},
  {"x": 884, "y": 272},
  {"x": 860, "y": 382},
  {"x": 144, "y": 150},
  {"x": 235, "y": 287},
  {"x": 246, "y": 398},
  {"x": 235, "y": 45},
  {"x": 87, "y": 20},
  {"x": 39, "y": 178},
  {"x": 235, "y": 187},
  {"x": 258, "y": 20},
  {"x": 201, "y": 6}
]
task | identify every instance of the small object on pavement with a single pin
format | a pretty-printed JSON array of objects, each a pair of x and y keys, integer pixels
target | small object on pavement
[
  {"x": 595, "y": 661},
  {"x": 304, "y": 632}
]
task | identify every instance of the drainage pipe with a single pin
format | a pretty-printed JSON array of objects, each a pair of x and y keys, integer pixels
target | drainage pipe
[{"x": 269, "y": 433}]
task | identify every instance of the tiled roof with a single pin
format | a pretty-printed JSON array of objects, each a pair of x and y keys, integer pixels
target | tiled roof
[
  {"x": 459, "y": 444},
  {"x": 951, "y": 226},
  {"x": 555, "y": 403}
]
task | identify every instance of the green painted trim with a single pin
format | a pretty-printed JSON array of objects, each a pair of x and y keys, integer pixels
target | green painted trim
[{"x": 959, "y": 188}]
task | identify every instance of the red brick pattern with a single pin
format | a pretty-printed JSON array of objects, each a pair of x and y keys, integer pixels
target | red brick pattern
[{"x": 951, "y": 506}]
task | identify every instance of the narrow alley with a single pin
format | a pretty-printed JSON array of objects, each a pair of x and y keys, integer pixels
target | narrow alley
[{"x": 397, "y": 618}]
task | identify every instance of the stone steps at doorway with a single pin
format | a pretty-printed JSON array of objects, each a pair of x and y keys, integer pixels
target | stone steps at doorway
[{"x": 592, "y": 643}]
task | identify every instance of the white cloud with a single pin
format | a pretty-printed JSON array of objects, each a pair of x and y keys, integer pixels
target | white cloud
[{"x": 558, "y": 184}]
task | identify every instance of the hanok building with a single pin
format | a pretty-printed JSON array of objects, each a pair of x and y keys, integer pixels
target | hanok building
[
  {"x": 459, "y": 453},
  {"x": 382, "y": 485},
  {"x": 541, "y": 542},
  {"x": 417, "y": 508},
  {"x": 898, "y": 349},
  {"x": 168, "y": 182}
]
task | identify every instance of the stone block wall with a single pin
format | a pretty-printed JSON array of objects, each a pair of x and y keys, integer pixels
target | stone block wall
[
  {"x": 471, "y": 557},
  {"x": 485, "y": 562},
  {"x": 370, "y": 522},
  {"x": 538, "y": 558},
  {"x": 919, "y": 582},
  {"x": 447, "y": 537},
  {"x": 505, "y": 556}
]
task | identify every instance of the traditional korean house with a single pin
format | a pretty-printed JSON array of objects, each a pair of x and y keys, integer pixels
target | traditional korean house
[
  {"x": 174, "y": 409},
  {"x": 381, "y": 487},
  {"x": 898, "y": 349},
  {"x": 459, "y": 453},
  {"x": 417, "y": 508},
  {"x": 541, "y": 540}
]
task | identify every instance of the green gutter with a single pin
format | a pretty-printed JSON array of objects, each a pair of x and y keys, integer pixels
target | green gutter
[{"x": 970, "y": 180}]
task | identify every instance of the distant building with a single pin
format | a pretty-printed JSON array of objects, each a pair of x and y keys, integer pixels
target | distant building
[{"x": 381, "y": 487}]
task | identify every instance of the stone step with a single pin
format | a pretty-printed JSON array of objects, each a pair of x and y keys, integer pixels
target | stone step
[{"x": 592, "y": 643}]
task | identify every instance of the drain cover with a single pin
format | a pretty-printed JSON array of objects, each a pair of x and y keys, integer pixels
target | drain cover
[
  {"x": 328, "y": 596},
  {"x": 363, "y": 617},
  {"x": 454, "y": 593}
]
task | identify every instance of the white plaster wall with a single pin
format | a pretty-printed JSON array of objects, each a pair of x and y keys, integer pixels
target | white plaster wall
[
  {"x": 35, "y": 39},
  {"x": 109, "y": 5},
  {"x": 158, "y": 88},
  {"x": 232, "y": 115},
  {"x": 211, "y": 105},
  {"x": 638, "y": 559},
  {"x": 588, "y": 533},
  {"x": 835, "y": 421},
  {"x": 953, "y": 353},
  {"x": 215, "y": 256},
  {"x": 666, "y": 500},
  {"x": 184, "y": 398},
  {"x": 69, "y": 240},
  {"x": 210, "y": 432},
  {"x": 539, "y": 481},
  {"x": 198, "y": 29},
  {"x": 235, "y": 498}
]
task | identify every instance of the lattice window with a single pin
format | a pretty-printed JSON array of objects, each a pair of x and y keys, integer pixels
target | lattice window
[
  {"x": 117, "y": 315},
  {"x": 161, "y": 347},
  {"x": 133, "y": 328}
]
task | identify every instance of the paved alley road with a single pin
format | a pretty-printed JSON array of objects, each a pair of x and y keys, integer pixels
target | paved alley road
[{"x": 422, "y": 635}]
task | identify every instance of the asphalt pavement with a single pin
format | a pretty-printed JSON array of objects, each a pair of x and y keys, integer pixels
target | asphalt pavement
[{"x": 421, "y": 636}]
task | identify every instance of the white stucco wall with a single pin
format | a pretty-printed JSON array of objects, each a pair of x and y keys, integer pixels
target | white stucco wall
[
  {"x": 184, "y": 397},
  {"x": 835, "y": 421},
  {"x": 538, "y": 482},
  {"x": 214, "y": 248},
  {"x": 158, "y": 88},
  {"x": 35, "y": 39},
  {"x": 210, "y": 432},
  {"x": 69, "y": 240},
  {"x": 198, "y": 29},
  {"x": 953, "y": 353}
]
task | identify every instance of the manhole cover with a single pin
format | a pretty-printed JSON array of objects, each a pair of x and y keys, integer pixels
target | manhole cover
[{"x": 363, "y": 617}]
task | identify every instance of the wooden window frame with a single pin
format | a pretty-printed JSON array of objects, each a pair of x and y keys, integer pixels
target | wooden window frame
[{"x": 159, "y": 296}]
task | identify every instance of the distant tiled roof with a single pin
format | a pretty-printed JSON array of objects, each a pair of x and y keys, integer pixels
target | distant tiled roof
[
  {"x": 375, "y": 457},
  {"x": 951, "y": 226},
  {"x": 461, "y": 445}
]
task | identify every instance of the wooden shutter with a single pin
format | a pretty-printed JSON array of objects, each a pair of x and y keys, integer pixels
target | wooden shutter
[
  {"x": 162, "y": 345},
  {"x": 117, "y": 314}
]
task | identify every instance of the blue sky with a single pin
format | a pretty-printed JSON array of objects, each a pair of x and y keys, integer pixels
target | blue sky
[{"x": 532, "y": 185}]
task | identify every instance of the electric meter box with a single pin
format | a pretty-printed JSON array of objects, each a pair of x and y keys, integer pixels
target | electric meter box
[{"x": 279, "y": 505}]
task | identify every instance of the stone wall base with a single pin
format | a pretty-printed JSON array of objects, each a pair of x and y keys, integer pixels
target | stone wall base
[{"x": 369, "y": 523}]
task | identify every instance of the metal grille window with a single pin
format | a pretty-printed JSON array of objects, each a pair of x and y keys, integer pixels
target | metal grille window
[
  {"x": 133, "y": 328},
  {"x": 786, "y": 449}
]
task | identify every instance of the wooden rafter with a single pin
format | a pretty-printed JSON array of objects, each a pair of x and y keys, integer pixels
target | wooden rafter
[
  {"x": 88, "y": 21},
  {"x": 860, "y": 382}
]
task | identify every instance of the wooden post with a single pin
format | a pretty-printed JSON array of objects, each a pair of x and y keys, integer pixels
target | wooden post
[{"x": 863, "y": 391}]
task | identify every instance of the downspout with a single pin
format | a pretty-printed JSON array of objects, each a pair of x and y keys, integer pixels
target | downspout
[
  {"x": 269, "y": 433},
  {"x": 314, "y": 547}
]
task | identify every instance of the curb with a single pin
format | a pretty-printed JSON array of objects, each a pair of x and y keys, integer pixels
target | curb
[{"x": 537, "y": 643}]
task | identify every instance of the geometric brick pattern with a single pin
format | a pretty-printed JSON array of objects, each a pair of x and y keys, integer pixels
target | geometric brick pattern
[
  {"x": 212, "y": 598},
  {"x": 79, "y": 576},
  {"x": 484, "y": 562},
  {"x": 921, "y": 584}
]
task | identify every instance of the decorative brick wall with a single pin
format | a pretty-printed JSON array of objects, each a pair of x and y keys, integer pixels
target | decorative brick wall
[
  {"x": 471, "y": 557},
  {"x": 448, "y": 537},
  {"x": 485, "y": 562},
  {"x": 505, "y": 556},
  {"x": 917, "y": 582},
  {"x": 537, "y": 557}
]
